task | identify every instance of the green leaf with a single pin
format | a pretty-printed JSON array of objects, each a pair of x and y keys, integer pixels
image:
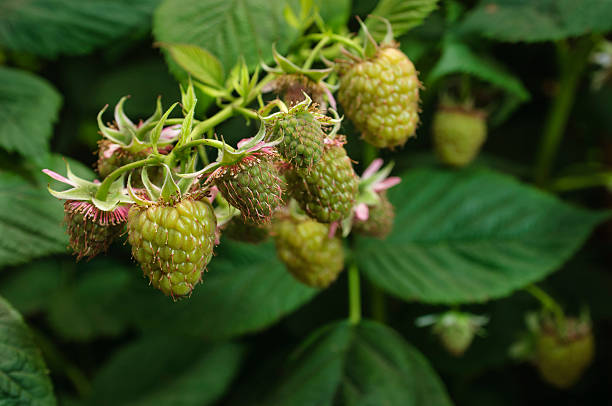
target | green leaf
[
  {"x": 167, "y": 370},
  {"x": 30, "y": 287},
  {"x": 366, "y": 364},
  {"x": 471, "y": 235},
  {"x": 23, "y": 374},
  {"x": 28, "y": 109},
  {"x": 458, "y": 58},
  {"x": 538, "y": 20},
  {"x": 226, "y": 28},
  {"x": 335, "y": 13},
  {"x": 52, "y": 27},
  {"x": 245, "y": 289},
  {"x": 30, "y": 221},
  {"x": 90, "y": 306},
  {"x": 402, "y": 14},
  {"x": 198, "y": 62}
]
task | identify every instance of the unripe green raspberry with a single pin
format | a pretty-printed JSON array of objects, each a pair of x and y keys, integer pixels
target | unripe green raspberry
[
  {"x": 562, "y": 360},
  {"x": 327, "y": 192},
  {"x": 302, "y": 143},
  {"x": 309, "y": 253},
  {"x": 381, "y": 97},
  {"x": 253, "y": 186},
  {"x": 380, "y": 219},
  {"x": 456, "y": 332},
  {"x": 458, "y": 135},
  {"x": 173, "y": 244}
]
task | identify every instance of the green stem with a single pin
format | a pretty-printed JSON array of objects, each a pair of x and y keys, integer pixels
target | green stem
[
  {"x": 247, "y": 112},
  {"x": 102, "y": 192},
  {"x": 575, "y": 182},
  {"x": 354, "y": 294},
  {"x": 572, "y": 63},
  {"x": 315, "y": 51},
  {"x": 204, "y": 141},
  {"x": 548, "y": 303},
  {"x": 211, "y": 122},
  {"x": 339, "y": 39}
]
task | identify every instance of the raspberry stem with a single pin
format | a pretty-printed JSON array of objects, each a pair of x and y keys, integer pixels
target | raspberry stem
[
  {"x": 102, "y": 192},
  {"x": 549, "y": 304},
  {"x": 354, "y": 294}
]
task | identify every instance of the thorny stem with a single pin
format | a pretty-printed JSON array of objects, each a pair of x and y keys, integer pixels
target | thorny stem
[
  {"x": 354, "y": 294},
  {"x": 102, "y": 192},
  {"x": 548, "y": 303},
  {"x": 571, "y": 63}
]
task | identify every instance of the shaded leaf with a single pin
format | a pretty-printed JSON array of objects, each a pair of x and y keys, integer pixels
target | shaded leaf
[
  {"x": 52, "y": 27},
  {"x": 30, "y": 221},
  {"x": 198, "y": 62},
  {"x": 402, "y": 14},
  {"x": 245, "y": 289},
  {"x": 28, "y": 109},
  {"x": 366, "y": 364},
  {"x": 538, "y": 20},
  {"x": 471, "y": 235},
  {"x": 226, "y": 28},
  {"x": 167, "y": 370},
  {"x": 23, "y": 374}
]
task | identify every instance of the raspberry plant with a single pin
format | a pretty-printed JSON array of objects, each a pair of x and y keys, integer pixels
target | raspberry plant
[{"x": 335, "y": 174}]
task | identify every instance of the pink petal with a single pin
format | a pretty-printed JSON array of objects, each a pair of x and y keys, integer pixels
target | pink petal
[
  {"x": 372, "y": 168},
  {"x": 170, "y": 133},
  {"x": 108, "y": 152},
  {"x": 332, "y": 229},
  {"x": 243, "y": 141},
  {"x": 213, "y": 193},
  {"x": 59, "y": 177},
  {"x": 362, "y": 212},
  {"x": 387, "y": 183}
]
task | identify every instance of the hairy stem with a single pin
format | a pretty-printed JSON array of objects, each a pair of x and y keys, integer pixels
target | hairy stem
[
  {"x": 549, "y": 304},
  {"x": 204, "y": 141},
  {"x": 102, "y": 192},
  {"x": 571, "y": 63},
  {"x": 354, "y": 294}
]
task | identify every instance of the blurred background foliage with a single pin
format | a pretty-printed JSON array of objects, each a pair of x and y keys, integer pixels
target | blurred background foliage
[{"x": 107, "y": 338}]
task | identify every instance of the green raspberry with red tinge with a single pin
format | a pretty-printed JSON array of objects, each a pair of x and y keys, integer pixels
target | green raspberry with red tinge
[
  {"x": 253, "y": 186},
  {"x": 562, "y": 359},
  {"x": 327, "y": 192},
  {"x": 458, "y": 135},
  {"x": 380, "y": 219},
  {"x": 90, "y": 230},
  {"x": 303, "y": 139},
  {"x": 311, "y": 256},
  {"x": 381, "y": 97},
  {"x": 173, "y": 244}
]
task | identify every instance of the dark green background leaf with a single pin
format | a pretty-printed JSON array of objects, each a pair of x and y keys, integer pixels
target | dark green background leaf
[
  {"x": 167, "y": 371},
  {"x": 246, "y": 288},
  {"x": 538, "y": 20},
  {"x": 226, "y": 28},
  {"x": 471, "y": 235},
  {"x": 52, "y": 27},
  {"x": 366, "y": 364},
  {"x": 30, "y": 221},
  {"x": 28, "y": 109},
  {"x": 23, "y": 374},
  {"x": 402, "y": 14}
]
